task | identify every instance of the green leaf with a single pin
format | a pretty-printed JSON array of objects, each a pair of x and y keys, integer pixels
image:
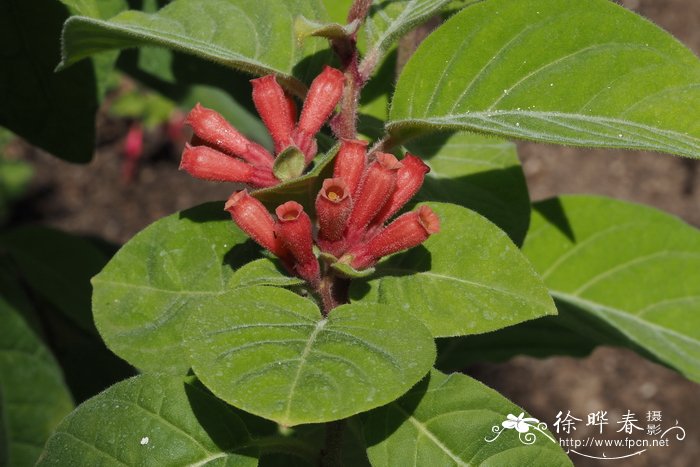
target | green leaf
[
  {"x": 144, "y": 295},
  {"x": 255, "y": 36},
  {"x": 152, "y": 421},
  {"x": 58, "y": 267},
  {"x": 560, "y": 71},
  {"x": 289, "y": 164},
  {"x": 622, "y": 274},
  {"x": 54, "y": 111},
  {"x": 448, "y": 420},
  {"x": 33, "y": 396},
  {"x": 303, "y": 189},
  {"x": 388, "y": 21},
  {"x": 269, "y": 352},
  {"x": 467, "y": 279},
  {"x": 479, "y": 173}
]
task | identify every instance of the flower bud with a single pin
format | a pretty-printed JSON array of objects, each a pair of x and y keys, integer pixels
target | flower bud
[
  {"x": 333, "y": 207},
  {"x": 252, "y": 218},
  {"x": 409, "y": 179},
  {"x": 209, "y": 164},
  {"x": 276, "y": 109},
  {"x": 408, "y": 230},
  {"x": 212, "y": 129},
  {"x": 350, "y": 163},
  {"x": 378, "y": 183},
  {"x": 294, "y": 231},
  {"x": 324, "y": 94}
]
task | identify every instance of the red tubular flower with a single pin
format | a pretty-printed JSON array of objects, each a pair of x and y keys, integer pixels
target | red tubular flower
[
  {"x": 252, "y": 218},
  {"x": 377, "y": 185},
  {"x": 350, "y": 163},
  {"x": 276, "y": 109},
  {"x": 294, "y": 231},
  {"x": 409, "y": 179},
  {"x": 212, "y": 129},
  {"x": 333, "y": 207},
  {"x": 209, "y": 164},
  {"x": 324, "y": 94},
  {"x": 408, "y": 230}
]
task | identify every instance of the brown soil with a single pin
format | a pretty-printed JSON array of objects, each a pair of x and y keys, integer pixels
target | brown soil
[{"x": 93, "y": 200}]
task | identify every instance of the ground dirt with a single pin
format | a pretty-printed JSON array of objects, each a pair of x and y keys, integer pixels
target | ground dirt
[{"x": 92, "y": 199}]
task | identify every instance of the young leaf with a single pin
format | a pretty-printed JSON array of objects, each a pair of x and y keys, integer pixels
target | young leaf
[
  {"x": 33, "y": 396},
  {"x": 449, "y": 420},
  {"x": 142, "y": 298},
  {"x": 560, "y": 71},
  {"x": 469, "y": 278},
  {"x": 58, "y": 267},
  {"x": 479, "y": 173},
  {"x": 269, "y": 352},
  {"x": 255, "y": 36},
  {"x": 623, "y": 274},
  {"x": 388, "y": 21},
  {"x": 152, "y": 421}
]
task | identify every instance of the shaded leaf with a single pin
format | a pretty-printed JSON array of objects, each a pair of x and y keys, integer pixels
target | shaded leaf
[
  {"x": 539, "y": 338},
  {"x": 467, "y": 279},
  {"x": 269, "y": 352},
  {"x": 622, "y": 274},
  {"x": 54, "y": 111},
  {"x": 33, "y": 396},
  {"x": 480, "y": 173},
  {"x": 448, "y": 420},
  {"x": 154, "y": 421},
  {"x": 142, "y": 298},
  {"x": 255, "y": 36},
  {"x": 560, "y": 71},
  {"x": 57, "y": 266}
]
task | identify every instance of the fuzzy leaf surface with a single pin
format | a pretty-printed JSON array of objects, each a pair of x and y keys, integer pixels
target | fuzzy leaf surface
[
  {"x": 152, "y": 421},
  {"x": 467, "y": 279},
  {"x": 269, "y": 352},
  {"x": 560, "y": 71},
  {"x": 622, "y": 274},
  {"x": 144, "y": 295},
  {"x": 255, "y": 36}
]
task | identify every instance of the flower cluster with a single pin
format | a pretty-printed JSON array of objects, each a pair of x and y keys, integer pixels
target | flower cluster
[
  {"x": 351, "y": 209},
  {"x": 218, "y": 152}
]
